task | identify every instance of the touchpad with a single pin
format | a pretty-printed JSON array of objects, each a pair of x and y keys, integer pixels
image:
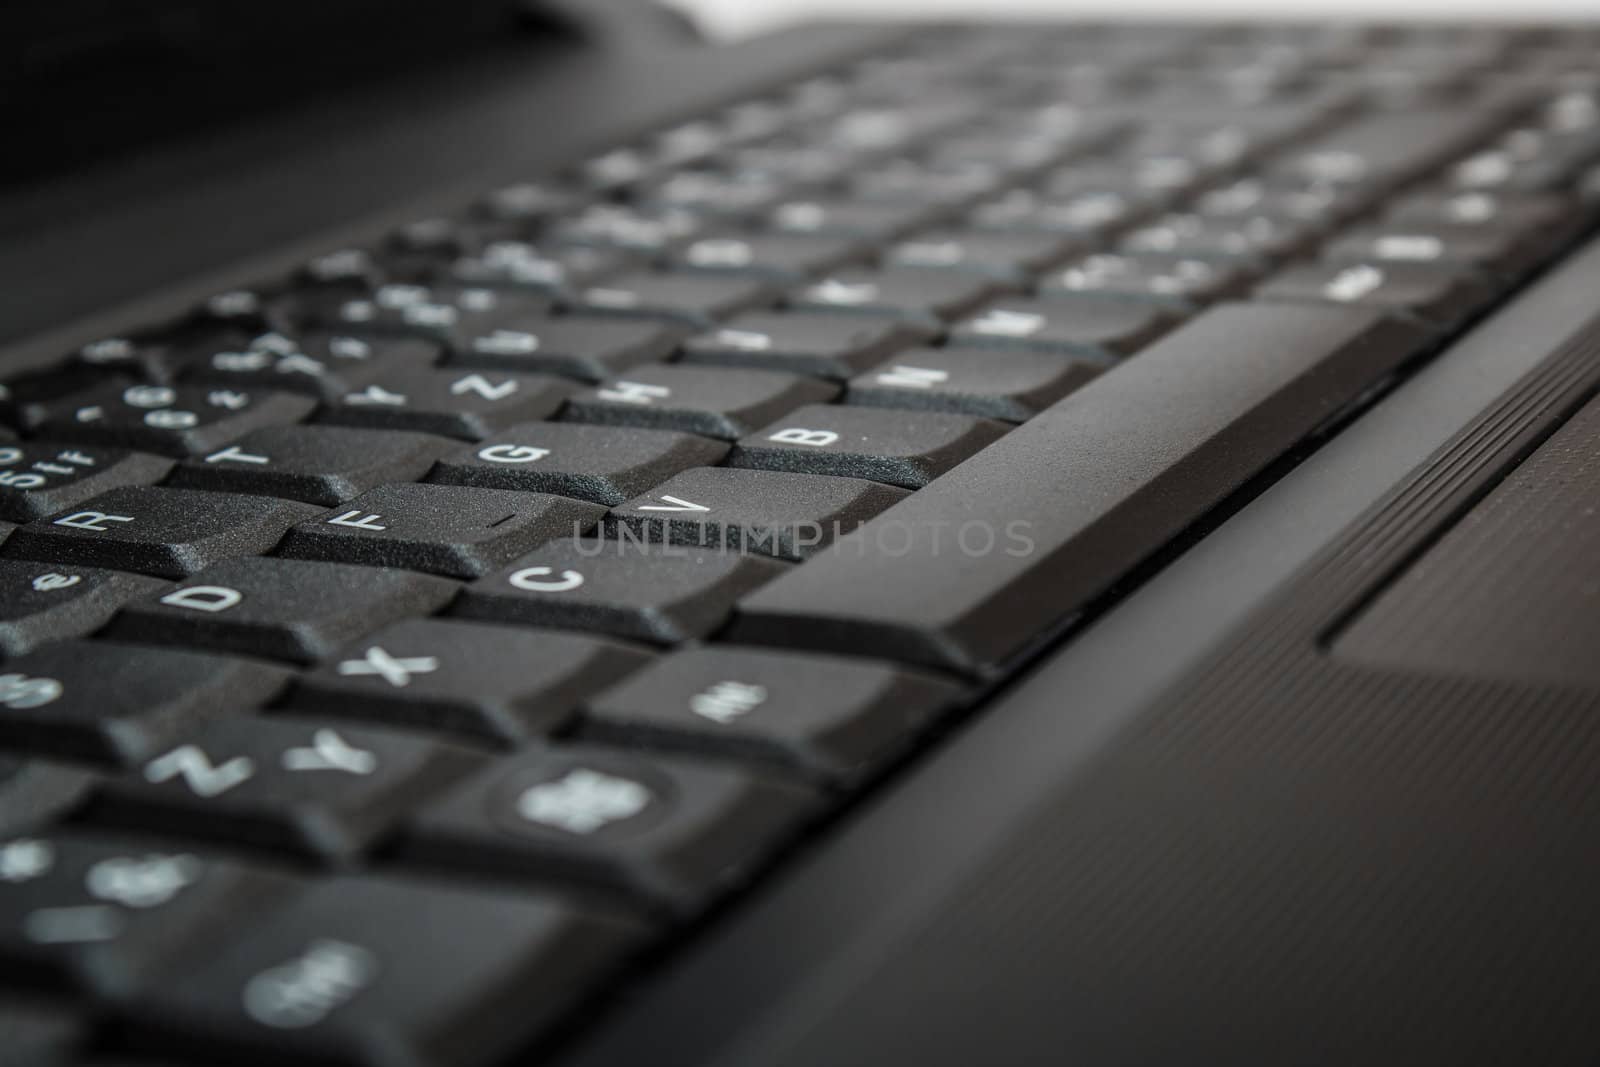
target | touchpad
[{"x": 1512, "y": 592}]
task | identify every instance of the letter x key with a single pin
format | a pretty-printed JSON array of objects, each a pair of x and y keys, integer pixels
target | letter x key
[{"x": 396, "y": 671}]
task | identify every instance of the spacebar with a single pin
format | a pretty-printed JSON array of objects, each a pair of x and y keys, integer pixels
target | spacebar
[{"x": 971, "y": 570}]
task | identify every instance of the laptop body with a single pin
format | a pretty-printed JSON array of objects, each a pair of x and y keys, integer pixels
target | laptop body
[{"x": 1278, "y": 751}]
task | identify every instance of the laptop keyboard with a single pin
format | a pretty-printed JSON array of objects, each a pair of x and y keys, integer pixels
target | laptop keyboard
[{"x": 400, "y": 654}]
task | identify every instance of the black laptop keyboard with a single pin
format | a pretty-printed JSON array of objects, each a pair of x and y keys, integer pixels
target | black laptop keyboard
[{"x": 401, "y": 654}]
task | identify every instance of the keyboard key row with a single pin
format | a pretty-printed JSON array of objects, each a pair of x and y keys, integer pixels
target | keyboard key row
[
  {"x": 902, "y": 449},
  {"x": 243, "y": 382},
  {"x": 330, "y": 970},
  {"x": 116, "y": 704},
  {"x": 285, "y": 785},
  {"x": 92, "y": 913},
  {"x": 305, "y": 612},
  {"x": 440, "y": 529},
  {"x": 500, "y": 685},
  {"x": 168, "y": 533},
  {"x": 655, "y": 594},
  {"x": 42, "y": 603},
  {"x": 281, "y": 609},
  {"x": 282, "y": 786},
  {"x": 603, "y": 464},
  {"x": 39, "y": 479},
  {"x": 411, "y": 395},
  {"x": 180, "y": 719},
  {"x": 466, "y": 532},
  {"x": 497, "y": 459},
  {"x": 661, "y": 405}
]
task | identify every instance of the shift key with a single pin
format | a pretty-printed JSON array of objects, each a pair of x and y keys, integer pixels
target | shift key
[{"x": 966, "y": 573}]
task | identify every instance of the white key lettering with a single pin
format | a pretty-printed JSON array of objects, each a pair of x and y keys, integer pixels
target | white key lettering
[
  {"x": 999, "y": 322},
  {"x": 208, "y": 598},
  {"x": 236, "y": 302},
  {"x": 848, "y": 294},
  {"x": 92, "y": 521},
  {"x": 431, "y": 316},
  {"x": 227, "y": 398},
  {"x": 539, "y": 580},
  {"x": 357, "y": 520},
  {"x": 148, "y": 396},
  {"x": 241, "y": 362},
  {"x": 330, "y": 752},
  {"x": 809, "y": 438},
  {"x": 21, "y": 480},
  {"x": 376, "y": 396},
  {"x": 142, "y": 883},
  {"x": 506, "y": 343},
  {"x": 109, "y": 350},
  {"x": 477, "y": 383},
  {"x": 305, "y": 991},
  {"x": 20, "y": 692},
  {"x": 583, "y": 801},
  {"x": 25, "y": 860},
  {"x": 673, "y": 503},
  {"x": 396, "y": 671},
  {"x": 1353, "y": 283},
  {"x": 171, "y": 419},
  {"x": 727, "y": 702},
  {"x": 512, "y": 453},
  {"x": 235, "y": 454},
  {"x": 904, "y": 377},
  {"x": 202, "y": 777},
  {"x": 634, "y": 393},
  {"x": 721, "y": 253},
  {"x": 744, "y": 340},
  {"x": 1418, "y": 248},
  {"x": 300, "y": 363}
]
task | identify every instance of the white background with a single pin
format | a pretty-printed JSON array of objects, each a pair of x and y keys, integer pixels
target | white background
[{"x": 736, "y": 17}]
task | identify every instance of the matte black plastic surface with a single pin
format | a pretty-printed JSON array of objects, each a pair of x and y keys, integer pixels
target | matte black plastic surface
[
  {"x": 1193, "y": 837},
  {"x": 1512, "y": 592}
]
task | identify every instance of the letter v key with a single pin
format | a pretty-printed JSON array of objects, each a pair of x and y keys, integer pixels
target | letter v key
[{"x": 673, "y": 503}]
